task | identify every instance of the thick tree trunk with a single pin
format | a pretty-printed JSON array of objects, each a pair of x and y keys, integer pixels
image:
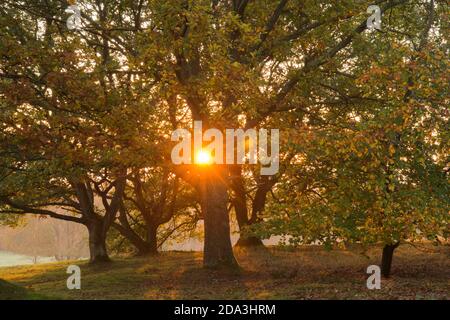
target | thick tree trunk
[
  {"x": 97, "y": 243},
  {"x": 152, "y": 239},
  {"x": 386, "y": 260},
  {"x": 218, "y": 251},
  {"x": 143, "y": 248}
]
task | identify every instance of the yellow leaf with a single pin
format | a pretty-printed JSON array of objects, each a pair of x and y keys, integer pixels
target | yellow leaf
[{"x": 391, "y": 149}]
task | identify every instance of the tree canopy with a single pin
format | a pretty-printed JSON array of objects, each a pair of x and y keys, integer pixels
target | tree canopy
[{"x": 87, "y": 115}]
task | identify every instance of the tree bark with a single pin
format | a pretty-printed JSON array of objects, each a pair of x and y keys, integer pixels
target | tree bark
[
  {"x": 152, "y": 239},
  {"x": 218, "y": 251},
  {"x": 249, "y": 242},
  {"x": 97, "y": 243},
  {"x": 141, "y": 245},
  {"x": 240, "y": 208},
  {"x": 386, "y": 260}
]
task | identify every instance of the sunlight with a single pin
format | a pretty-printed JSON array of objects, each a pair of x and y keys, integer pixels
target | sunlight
[{"x": 203, "y": 158}]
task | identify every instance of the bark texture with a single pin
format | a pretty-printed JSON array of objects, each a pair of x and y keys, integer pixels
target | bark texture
[
  {"x": 386, "y": 260},
  {"x": 97, "y": 243},
  {"x": 218, "y": 251}
]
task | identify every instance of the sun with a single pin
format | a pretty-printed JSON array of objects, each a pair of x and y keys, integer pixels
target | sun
[{"x": 203, "y": 157}]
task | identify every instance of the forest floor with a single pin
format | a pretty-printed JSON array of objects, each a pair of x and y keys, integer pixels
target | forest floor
[{"x": 420, "y": 272}]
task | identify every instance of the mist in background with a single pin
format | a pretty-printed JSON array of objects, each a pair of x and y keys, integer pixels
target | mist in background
[{"x": 42, "y": 240}]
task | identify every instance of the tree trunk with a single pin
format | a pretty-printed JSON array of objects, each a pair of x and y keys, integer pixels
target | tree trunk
[
  {"x": 143, "y": 248},
  {"x": 218, "y": 251},
  {"x": 243, "y": 221},
  {"x": 386, "y": 260},
  {"x": 152, "y": 239},
  {"x": 240, "y": 208},
  {"x": 249, "y": 242},
  {"x": 97, "y": 243}
]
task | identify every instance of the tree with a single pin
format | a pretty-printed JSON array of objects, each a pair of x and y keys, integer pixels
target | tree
[
  {"x": 152, "y": 199},
  {"x": 28, "y": 191},
  {"x": 60, "y": 124},
  {"x": 230, "y": 64},
  {"x": 374, "y": 172},
  {"x": 244, "y": 60}
]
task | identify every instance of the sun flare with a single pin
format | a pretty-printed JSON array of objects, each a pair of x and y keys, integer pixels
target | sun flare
[{"x": 203, "y": 157}]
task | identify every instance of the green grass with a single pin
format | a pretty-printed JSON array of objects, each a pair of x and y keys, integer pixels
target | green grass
[
  {"x": 305, "y": 273},
  {"x": 9, "y": 291}
]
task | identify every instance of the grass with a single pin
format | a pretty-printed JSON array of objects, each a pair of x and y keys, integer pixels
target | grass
[
  {"x": 9, "y": 291},
  {"x": 274, "y": 273}
]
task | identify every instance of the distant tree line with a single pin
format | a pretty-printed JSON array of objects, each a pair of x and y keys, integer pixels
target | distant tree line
[{"x": 40, "y": 237}]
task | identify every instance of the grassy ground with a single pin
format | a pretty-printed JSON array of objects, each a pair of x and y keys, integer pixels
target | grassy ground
[
  {"x": 305, "y": 273},
  {"x": 9, "y": 291}
]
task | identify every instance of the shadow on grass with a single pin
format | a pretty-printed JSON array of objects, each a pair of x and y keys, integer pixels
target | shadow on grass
[
  {"x": 306, "y": 273},
  {"x": 9, "y": 291}
]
